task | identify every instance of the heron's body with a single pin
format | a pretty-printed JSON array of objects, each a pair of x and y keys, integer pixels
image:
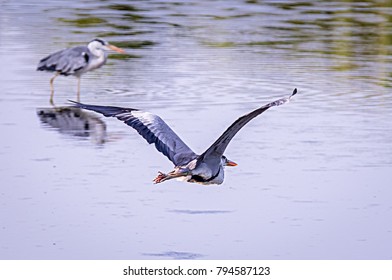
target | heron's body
[
  {"x": 201, "y": 173},
  {"x": 73, "y": 61},
  {"x": 207, "y": 168},
  {"x": 76, "y": 61}
]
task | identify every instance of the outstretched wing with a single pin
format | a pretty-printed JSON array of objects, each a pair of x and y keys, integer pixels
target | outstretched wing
[
  {"x": 67, "y": 61},
  {"x": 216, "y": 150},
  {"x": 152, "y": 128}
]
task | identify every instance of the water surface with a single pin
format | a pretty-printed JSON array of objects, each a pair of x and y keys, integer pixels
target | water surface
[{"x": 313, "y": 180}]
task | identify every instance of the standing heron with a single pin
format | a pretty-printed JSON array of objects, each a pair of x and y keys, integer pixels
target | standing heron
[
  {"x": 207, "y": 168},
  {"x": 76, "y": 61}
]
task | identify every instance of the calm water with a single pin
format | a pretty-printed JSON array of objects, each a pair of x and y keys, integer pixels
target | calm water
[{"x": 314, "y": 176}]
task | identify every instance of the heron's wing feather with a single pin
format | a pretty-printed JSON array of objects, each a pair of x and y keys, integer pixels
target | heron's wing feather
[
  {"x": 152, "y": 128},
  {"x": 67, "y": 61},
  {"x": 216, "y": 150}
]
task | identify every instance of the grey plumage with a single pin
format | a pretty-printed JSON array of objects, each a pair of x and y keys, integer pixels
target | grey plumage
[
  {"x": 76, "y": 61},
  {"x": 67, "y": 61},
  {"x": 206, "y": 168},
  {"x": 152, "y": 128},
  {"x": 216, "y": 150}
]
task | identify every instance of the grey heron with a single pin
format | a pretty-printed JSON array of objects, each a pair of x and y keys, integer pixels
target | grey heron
[
  {"x": 207, "y": 168},
  {"x": 76, "y": 61}
]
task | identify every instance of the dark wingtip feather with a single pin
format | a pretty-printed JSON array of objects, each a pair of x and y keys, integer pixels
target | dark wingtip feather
[
  {"x": 50, "y": 68},
  {"x": 107, "y": 111},
  {"x": 294, "y": 92},
  {"x": 76, "y": 104}
]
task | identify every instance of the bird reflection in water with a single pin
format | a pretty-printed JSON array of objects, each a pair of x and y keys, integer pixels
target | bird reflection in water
[{"x": 75, "y": 122}]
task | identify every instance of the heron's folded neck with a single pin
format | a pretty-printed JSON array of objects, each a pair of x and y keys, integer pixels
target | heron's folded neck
[{"x": 199, "y": 178}]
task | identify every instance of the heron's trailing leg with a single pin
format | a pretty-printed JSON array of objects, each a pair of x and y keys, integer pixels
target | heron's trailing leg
[
  {"x": 174, "y": 174},
  {"x": 52, "y": 88},
  {"x": 160, "y": 178}
]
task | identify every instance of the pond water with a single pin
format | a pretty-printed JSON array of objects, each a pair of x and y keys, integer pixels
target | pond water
[{"x": 313, "y": 179}]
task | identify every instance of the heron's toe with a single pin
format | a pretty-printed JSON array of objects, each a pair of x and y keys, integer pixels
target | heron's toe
[{"x": 160, "y": 178}]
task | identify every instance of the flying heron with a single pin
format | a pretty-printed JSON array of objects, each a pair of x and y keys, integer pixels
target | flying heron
[
  {"x": 207, "y": 168},
  {"x": 76, "y": 61}
]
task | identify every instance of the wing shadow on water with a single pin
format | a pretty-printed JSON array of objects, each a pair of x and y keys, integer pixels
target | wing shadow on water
[
  {"x": 175, "y": 255},
  {"x": 75, "y": 122},
  {"x": 199, "y": 212}
]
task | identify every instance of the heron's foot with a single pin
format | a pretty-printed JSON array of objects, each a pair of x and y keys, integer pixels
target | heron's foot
[
  {"x": 51, "y": 102},
  {"x": 160, "y": 178}
]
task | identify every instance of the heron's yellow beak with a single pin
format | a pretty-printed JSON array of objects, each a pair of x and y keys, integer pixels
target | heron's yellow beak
[
  {"x": 116, "y": 49},
  {"x": 231, "y": 163}
]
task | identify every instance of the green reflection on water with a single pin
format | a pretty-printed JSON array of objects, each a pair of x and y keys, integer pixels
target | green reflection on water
[
  {"x": 220, "y": 44},
  {"x": 122, "y": 7},
  {"x": 123, "y": 56},
  {"x": 347, "y": 32},
  {"x": 83, "y": 22},
  {"x": 121, "y": 27},
  {"x": 115, "y": 33},
  {"x": 231, "y": 17},
  {"x": 133, "y": 44},
  {"x": 293, "y": 5}
]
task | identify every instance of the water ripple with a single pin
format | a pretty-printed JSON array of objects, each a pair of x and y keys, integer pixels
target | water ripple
[
  {"x": 175, "y": 255},
  {"x": 199, "y": 212}
]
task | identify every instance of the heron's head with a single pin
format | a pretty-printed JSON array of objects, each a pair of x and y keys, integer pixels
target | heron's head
[
  {"x": 227, "y": 162},
  {"x": 100, "y": 44}
]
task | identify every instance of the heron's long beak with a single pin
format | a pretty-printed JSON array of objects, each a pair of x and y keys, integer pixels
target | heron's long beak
[
  {"x": 116, "y": 49},
  {"x": 231, "y": 163}
]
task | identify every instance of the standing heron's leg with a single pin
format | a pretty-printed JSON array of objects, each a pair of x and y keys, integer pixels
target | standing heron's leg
[
  {"x": 52, "y": 88},
  {"x": 78, "y": 93}
]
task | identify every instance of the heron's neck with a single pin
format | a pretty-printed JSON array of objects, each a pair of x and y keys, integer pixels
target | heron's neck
[{"x": 98, "y": 52}]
